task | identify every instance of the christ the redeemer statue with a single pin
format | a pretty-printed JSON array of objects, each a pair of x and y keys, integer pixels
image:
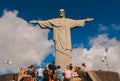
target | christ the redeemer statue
[{"x": 62, "y": 39}]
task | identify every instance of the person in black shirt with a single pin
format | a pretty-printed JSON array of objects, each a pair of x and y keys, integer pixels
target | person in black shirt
[
  {"x": 52, "y": 67},
  {"x": 45, "y": 74}
]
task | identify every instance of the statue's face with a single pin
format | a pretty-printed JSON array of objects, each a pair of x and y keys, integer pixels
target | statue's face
[{"x": 61, "y": 14}]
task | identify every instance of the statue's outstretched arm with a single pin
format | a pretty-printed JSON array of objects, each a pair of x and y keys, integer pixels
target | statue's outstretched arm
[
  {"x": 89, "y": 19},
  {"x": 33, "y": 21}
]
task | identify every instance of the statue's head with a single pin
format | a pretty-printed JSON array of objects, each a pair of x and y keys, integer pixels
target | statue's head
[{"x": 61, "y": 13}]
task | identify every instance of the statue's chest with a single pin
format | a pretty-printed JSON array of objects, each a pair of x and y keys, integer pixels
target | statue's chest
[{"x": 63, "y": 23}]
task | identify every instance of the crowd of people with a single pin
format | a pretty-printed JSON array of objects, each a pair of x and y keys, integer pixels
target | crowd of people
[
  {"x": 54, "y": 73},
  {"x": 29, "y": 73}
]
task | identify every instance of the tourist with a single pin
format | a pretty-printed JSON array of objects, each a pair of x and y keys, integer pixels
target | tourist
[
  {"x": 80, "y": 73},
  {"x": 58, "y": 74},
  {"x": 50, "y": 75},
  {"x": 15, "y": 77},
  {"x": 45, "y": 74},
  {"x": 40, "y": 73},
  {"x": 52, "y": 67},
  {"x": 68, "y": 74}
]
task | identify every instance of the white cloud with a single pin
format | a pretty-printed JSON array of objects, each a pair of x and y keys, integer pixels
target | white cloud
[
  {"x": 110, "y": 28},
  {"x": 21, "y": 43},
  {"x": 93, "y": 57},
  {"x": 116, "y": 27},
  {"x": 102, "y": 27}
]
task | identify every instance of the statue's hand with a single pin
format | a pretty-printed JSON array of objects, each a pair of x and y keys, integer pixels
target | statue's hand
[
  {"x": 33, "y": 21},
  {"x": 89, "y": 19}
]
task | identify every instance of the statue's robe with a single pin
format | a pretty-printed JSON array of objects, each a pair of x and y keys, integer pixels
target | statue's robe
[{"x": 62, "y": 38}]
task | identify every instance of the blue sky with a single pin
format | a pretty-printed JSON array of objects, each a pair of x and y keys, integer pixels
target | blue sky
[{"x": 105, "y": 27}]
